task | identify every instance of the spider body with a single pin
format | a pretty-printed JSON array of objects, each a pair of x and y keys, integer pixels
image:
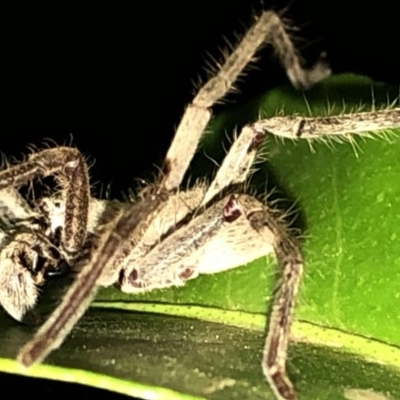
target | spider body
[{"x": 165, "y": 235}]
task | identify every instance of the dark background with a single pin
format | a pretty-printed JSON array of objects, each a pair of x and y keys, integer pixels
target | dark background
[{"x": 113, "y": 80}]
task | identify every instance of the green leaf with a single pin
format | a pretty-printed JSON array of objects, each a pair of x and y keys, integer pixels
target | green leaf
[{"x": 205, "y": 340}]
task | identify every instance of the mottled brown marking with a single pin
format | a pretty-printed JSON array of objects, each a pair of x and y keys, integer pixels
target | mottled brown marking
[
  {"x": 231, "y": 212},
  {"x": 258, "y": 138},
  {"x": 300, "y": 128},
  {"x": 186, "y": 273}
]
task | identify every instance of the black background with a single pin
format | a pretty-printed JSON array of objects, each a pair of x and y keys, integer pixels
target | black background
[{"x": 116, "y": 78}]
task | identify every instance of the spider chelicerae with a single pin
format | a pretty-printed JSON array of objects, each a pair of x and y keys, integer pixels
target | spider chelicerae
[{"x": 166, "y": 235}]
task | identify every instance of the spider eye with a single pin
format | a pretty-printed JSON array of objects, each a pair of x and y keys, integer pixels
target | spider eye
[{"x": 60, "y": 271}]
